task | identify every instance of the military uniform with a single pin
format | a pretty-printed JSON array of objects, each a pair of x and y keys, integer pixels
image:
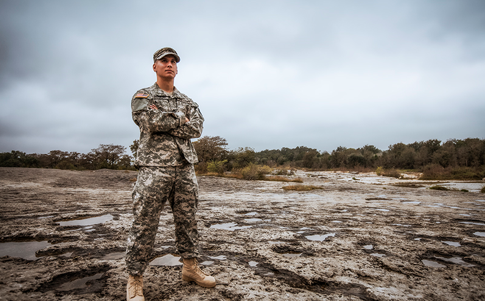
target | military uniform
[{"x": 165, "y": 159}]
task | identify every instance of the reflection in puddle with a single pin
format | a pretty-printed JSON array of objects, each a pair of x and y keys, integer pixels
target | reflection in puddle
[
  {"x": 167, "y": 260},
  {"x": 79, "y": 283},
  {"x": 456, "y": 260},
  {"x": 253, "y": 220},
  {"x": 113, "y": 256},
  {"x": 452, "y": 243},
  {"x": 404, "y": 225},
  {"x": 320, "y": 237},
  {"x": 221, "y": 257},
  {"x": 336, "y": 221},
  {"x": 253, "y": 263},
  {"x": 42, "y": 217},
  {"x": 378, "y": 255},
  {"x": 368, "y": 247},
  {"x": 432, "y": 263},
  {"x": 480, "y": 234},
  {"x": 207, "y": 263},
  {"x": 25, "y": 250},
  {"x": 292, "y": 255},
  {"x": 230, "y": 226},
  {"x": 251, "y": 213},
  {"x": 470, "y": 222},
  {"x": 383, "y": 210},
  {"x": 412, "y": 202},
  {"x": 276, "y": 242},
  {"x": 87, "y": 221},
  {"x": 418, "y": 239}
]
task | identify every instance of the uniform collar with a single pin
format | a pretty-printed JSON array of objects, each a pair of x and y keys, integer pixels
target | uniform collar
[{"x": 160, "y": 92}]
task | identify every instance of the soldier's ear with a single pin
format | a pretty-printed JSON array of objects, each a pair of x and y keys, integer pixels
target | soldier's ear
[{"x": 153, "y": 67}]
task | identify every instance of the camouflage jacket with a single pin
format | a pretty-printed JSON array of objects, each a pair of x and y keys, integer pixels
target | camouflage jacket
[{"x": 165, "y": 140}]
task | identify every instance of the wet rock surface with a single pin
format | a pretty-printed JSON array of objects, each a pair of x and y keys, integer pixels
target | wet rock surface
[{"x": 63, "y": 237}]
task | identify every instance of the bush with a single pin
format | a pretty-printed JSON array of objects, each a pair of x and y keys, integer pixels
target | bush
[
  {"x": 437, "y": 172},
  {"x": 254, "y": 172},
  {"x": 201, "y": 168},
  {"x": 217, "y": 166},
  {"x": 379, "y": 171}
]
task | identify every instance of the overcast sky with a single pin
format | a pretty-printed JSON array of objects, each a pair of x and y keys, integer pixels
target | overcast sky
[{"x": 266, "y": 74}]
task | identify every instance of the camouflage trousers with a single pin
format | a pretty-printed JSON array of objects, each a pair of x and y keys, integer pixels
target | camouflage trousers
[{"x": 156, "y": 185}]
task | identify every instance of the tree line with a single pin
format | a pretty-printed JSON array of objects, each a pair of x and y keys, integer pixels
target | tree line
[
  {"x": 423, "y": 156},
  {"x": 107, "y": 156},
  {"x": 212, "y": 152}
]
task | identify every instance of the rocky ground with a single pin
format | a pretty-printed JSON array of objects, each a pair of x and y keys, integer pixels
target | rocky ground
[{"x": 359, "y": 237}]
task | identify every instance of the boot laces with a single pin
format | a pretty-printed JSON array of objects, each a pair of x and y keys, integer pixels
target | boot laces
[
  {"x": 136, "y": 287},
  {"x": 199, "y": 271}
]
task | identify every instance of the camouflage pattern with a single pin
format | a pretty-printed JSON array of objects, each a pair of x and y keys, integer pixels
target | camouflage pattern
[
  {"x": 159, "y": 54},
  {"x": 165, "y": 157},
  {"x": 164, "y": 137},
  {"x": 156, "y": 185}
]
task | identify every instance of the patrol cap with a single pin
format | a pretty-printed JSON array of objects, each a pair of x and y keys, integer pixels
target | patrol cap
[{"x": 159, "y": 54}]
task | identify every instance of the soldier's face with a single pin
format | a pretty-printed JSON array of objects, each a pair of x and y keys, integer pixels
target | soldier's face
[{"x": 166, "y": 67}]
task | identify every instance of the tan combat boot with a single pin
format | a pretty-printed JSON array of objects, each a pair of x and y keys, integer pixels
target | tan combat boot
[
  {"x": 192, "y": 272},
  {"x": 135, "y": 288}
]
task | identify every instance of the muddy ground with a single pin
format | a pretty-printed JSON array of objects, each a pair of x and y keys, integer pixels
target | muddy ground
[{"x": 353, "y": 239}]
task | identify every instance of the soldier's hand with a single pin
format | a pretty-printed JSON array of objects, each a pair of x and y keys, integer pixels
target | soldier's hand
[
  {"x": 187, "y": 120},
  {"x": 153, "y": 107}
]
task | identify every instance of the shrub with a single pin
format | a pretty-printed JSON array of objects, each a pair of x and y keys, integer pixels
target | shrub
[
  {"x": 217, "y": 167},
  {"x": 201, "y": 168},
  {"x": 301, "y": 188},
  {"x": 437, "y": 172},
  {"x": 379, "y": 171},
  {"x": 391, "y": 173},
  {"x": 440, "y": 188}
]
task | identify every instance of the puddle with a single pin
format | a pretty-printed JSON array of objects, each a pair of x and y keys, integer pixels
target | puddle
[
  {"x": 291, "y": 255},
  {"x": 378, "y": 255},
  {"x": 166, "y": 260},
  {"x": 253, "y": 263},
  {"x": 276, "y": 242},
  {"x": 207, "y": 263},
  {"x": 251, "y": 213},
  {"x": 253, "y": 220},
  {"x": 25, "y": 250},
  {"x": 412, "y": 202},
  {"x": 114, "y": 256},
  {"x": 383, "y": 210},
  {"x": 87, "y": 221},
  {"x": 480, "y": 234},
  {"x": 336, "y": 221},
  {"x": 404, "y": 225},
  {"x": 456, "y": 260},
  {"x": 368, "y": 247},
  {"x": 69, "y": 254},
  {"x": 452, "y": 243},
  {"x": 470, "y": 222},
  {"x": 468, "y": 215},
  {"x": 432, "y": 263},
  {"x": 221, "y": 257},
  {"x": 79, "y": 283},
  {"x": 43, "y": 217},
  {"x": 418, "y": 239},
  {"x": 321, "y": 237},
  {"x": 230, "y": 226}
]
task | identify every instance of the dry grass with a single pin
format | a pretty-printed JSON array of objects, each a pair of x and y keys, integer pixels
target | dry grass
[
  {"x": 241, "y": 176},
  {"x": 301, "y": 188},
  {"x": 280, "y": 178}
]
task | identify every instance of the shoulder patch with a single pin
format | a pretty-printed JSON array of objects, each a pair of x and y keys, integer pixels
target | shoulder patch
[{"x": 141, "y": 95}]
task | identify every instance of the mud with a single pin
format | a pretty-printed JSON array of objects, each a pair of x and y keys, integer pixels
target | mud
[{"x": 359, "y": 237}]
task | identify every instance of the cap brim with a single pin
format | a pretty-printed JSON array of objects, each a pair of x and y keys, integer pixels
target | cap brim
[{"x": 169, "y": 53}]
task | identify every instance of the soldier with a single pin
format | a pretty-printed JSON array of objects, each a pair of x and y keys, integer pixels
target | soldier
[{"x": 167, "y": 120}]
